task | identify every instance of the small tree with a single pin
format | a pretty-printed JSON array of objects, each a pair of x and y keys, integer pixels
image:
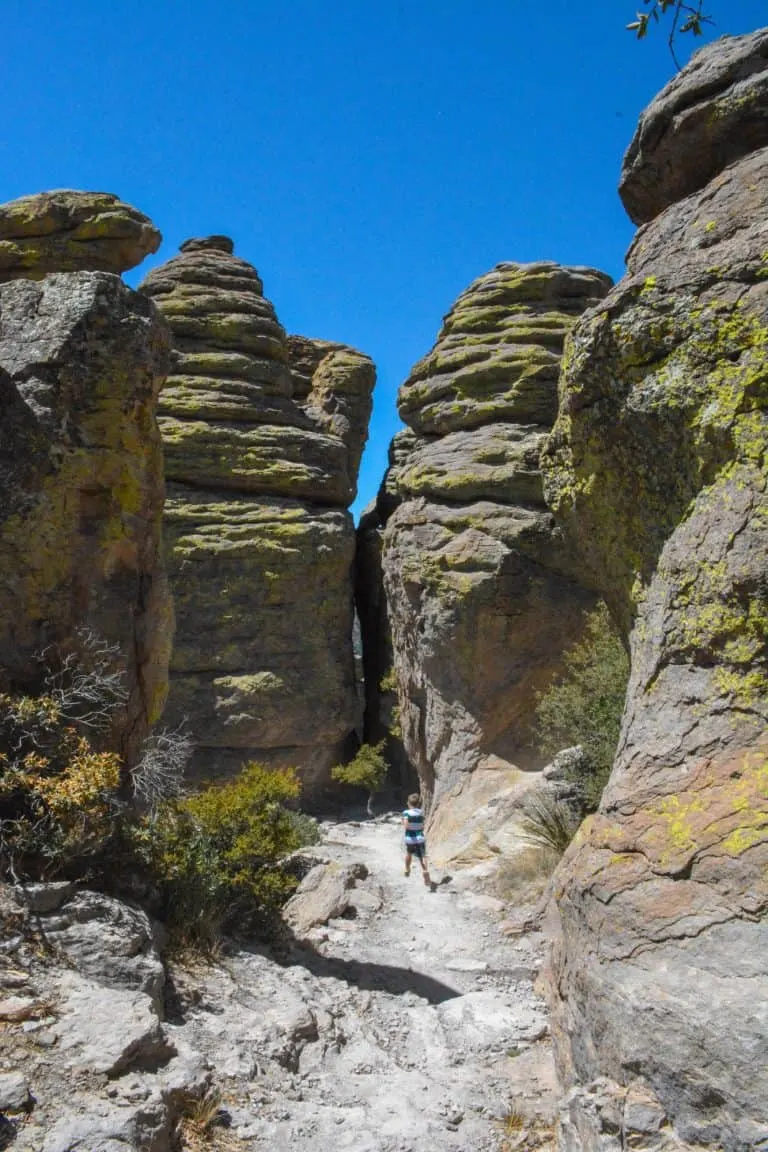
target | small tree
[
  {"x": 584, "y": 705},
  {"x": 368, "y": 770},
  {"x": 686, "y": 17}
]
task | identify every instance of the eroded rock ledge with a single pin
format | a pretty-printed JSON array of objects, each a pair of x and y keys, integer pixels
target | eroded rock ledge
[{"x": 263, "y": 435}]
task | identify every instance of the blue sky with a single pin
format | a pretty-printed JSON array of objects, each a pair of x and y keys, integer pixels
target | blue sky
[{"x": 369, "y": 158}]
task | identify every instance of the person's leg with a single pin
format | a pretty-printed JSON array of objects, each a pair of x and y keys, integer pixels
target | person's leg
[
  {"x": 408, "y": 859},
  {"x": 424, "y": 869}
]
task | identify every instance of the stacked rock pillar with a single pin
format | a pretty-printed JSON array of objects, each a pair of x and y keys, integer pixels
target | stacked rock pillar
[{"x": 262, "y": 435}]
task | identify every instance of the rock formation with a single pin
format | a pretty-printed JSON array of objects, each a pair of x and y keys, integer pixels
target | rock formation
[
  {"x": 68, "y": 231},
  {"x": 82, "y": 358},
  {"x": 263, "y": 436},
  {"x": 657, "y": 467},
  {"x": 479, "y": 597}
]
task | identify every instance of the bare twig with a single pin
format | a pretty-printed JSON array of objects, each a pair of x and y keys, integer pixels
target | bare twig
[
  {"x": 159, "y": 774},
  {"x": 88, "y": 685}
]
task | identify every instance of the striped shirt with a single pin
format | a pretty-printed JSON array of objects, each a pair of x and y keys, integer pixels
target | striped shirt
[{"x": 414, "y": 825}]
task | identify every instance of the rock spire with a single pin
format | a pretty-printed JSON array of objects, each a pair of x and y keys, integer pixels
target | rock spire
[
  {"x": 262, "y": 435},
  {"x": 479, "y": 598}
]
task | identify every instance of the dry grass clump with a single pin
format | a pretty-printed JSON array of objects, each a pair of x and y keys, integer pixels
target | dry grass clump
[
  {"x": 523, "y": 878},
  {"x": 522, "y": 1133},
  {"x": 204, "y": 1125},
  {"x": 548, "y": 822}
]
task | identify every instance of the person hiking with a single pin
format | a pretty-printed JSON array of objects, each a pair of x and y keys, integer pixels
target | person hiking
[{"x": 415, "y": 841}]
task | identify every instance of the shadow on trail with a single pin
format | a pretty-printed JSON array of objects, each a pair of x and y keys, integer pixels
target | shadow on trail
[{"x": 367, "y": 976}]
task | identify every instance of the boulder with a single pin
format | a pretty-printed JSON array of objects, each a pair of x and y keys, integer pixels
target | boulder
[
  {"x": 480, "y": 598},
  {"x": 69, "y": 231},
  {"x": 715, "y": 111},
  {"x": 108, "y": 1030},
  {"x": 107, "y": 940},
  {"x": 14, "y": 1093},
  {"x": 82, "y": 358},
  {"x": 324, "y": 894},
  {"x": 657, "y": 469},
  {"x": 263, "y": 435}
]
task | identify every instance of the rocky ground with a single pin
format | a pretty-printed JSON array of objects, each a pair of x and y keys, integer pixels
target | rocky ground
[{"x": 407, "y": 1020}]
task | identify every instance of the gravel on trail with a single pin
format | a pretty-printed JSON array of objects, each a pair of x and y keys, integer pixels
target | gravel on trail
[{"x": 408, "y": 1022}]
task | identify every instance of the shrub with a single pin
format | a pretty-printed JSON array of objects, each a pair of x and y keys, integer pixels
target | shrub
[
  {"x": 388, "y": 682},
  {"x": 548, "y": 822},
  {"x": 216, "y": 856},
  {"x": 59, "y": 792},
  {"x": 368, "y": 770},
  {"x": 585, "y": 704},
  {"x": 215, "y": 859},
  {"x": 305, "y": 826},
  {"x": 58, "y": 807}
]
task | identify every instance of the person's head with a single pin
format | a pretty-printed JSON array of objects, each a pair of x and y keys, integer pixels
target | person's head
[{"x": 414, "y": 800}]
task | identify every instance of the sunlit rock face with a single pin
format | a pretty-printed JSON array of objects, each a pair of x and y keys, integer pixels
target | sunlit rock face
[
  {"x": 479, "y": 596},
  {"x": 72, "y": 231},
  {"x": 263, "y": 435},
  {"x": 82, "y": 359},
  {"x": 657, "y": 470}
]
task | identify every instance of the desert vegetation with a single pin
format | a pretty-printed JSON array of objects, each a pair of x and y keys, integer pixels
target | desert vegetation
[{"x": 70, "y": 807}]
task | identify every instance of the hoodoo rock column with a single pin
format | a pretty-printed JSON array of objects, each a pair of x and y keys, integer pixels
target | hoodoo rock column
[
  {"x": 262, "y": 435},
  {"x": 82, "y": 358},
  {"x": 479, "y": 596}
]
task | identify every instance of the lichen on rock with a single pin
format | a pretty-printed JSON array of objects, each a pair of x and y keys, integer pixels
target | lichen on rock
[
  {"x": 70, "y": 231},
  {"x": 263, "y": 435},
  {"x": 82, "y": 358},
  {"x": 657, "y": 469},
  {"x": 479, "y": 596}
]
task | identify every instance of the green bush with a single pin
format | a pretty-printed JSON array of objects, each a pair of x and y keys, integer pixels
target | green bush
[
  {"x": 214, "y": 860},
  {"x": 368, "y": 770},
  {"x": 217, "y": 856},
  {"x": 388, "y": 682},
  {"x": 584, "y": 706}
]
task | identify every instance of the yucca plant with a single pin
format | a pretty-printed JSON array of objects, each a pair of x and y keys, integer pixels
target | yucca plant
[{"x": 548, "y": 822}]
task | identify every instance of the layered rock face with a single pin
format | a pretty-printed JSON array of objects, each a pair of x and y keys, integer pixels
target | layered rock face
[
  {"x": 263, "y": 436},
  {"x": 657, "y": 466},
  {"x": 82, "y": 358},
  {"x": 477, "y": 582},
  {"x": 69, "y": 231}
]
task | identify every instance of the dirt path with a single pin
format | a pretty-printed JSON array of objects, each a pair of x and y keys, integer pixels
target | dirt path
[{"x": 409, "y": 1024}]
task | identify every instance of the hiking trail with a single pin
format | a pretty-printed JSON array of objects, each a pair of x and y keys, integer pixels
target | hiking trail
[{"x": 409, "y": 1023}]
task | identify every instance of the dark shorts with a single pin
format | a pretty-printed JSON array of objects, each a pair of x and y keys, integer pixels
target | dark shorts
[{"x": 417, "y": 850}]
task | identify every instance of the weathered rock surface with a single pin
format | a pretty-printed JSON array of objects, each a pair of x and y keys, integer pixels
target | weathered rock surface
[
  {"x": 263, "y": 435},
  {"x": 711, "y": 114},
  {"x": 95, "y": 1066},
  {"x": 657, "y": 467},
  {"x": 412, "y": 1024},
  {"x": 82, "y": 358},
  {"x": 69, "y": 231},
  {"x": 410, "y": 1020},
  {"x": 323, "y": 895},
  {"x": 478, "y": 591}
]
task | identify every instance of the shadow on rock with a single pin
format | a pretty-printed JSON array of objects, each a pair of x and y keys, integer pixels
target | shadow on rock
[{"x": 367, "y": 976}]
